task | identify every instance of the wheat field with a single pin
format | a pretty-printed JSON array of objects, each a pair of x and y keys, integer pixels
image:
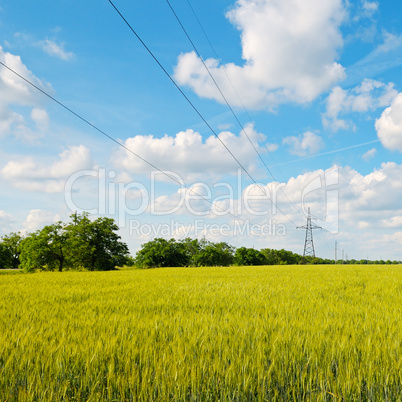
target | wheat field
[{"x": 282, "y": 333}]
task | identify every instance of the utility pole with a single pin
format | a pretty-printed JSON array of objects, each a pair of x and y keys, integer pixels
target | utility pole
[{"x": 308, "y": 242}]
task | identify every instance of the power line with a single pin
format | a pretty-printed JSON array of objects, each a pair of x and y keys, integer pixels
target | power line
[
  {"x": 217, "y": 86},
  {"x": 220, "y": 91},
  {"x": 217, "y": 56},
  {"x": 194, "y": 107},
  {"x": 113, "y": 139},
  {"x": 87, "y": 122}
]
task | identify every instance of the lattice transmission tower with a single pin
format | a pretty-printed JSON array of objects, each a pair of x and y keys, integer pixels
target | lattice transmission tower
[{"x": 309, "y": 243}]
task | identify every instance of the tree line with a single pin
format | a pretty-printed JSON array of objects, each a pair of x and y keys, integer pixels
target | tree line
[
  {"x": 94, "y": 245},
  {"x": 198, "y": 253}
]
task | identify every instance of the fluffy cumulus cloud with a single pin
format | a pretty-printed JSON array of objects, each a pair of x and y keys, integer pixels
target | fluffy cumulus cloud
[
  {"x": 290, "y": 51},
  {"x": 13, "y": 89},
  {"x": 189, "y": 155},
  {"x": 368, "y": 96},
  {"x": 15, "y": 92},
  {"x": 37, "y": 219},
  {"x": 344, "y": 202},
  {"x": 29, "y": 175},
  {"x": 305, "y": 144},
  {"x": 389, "y": 125}
]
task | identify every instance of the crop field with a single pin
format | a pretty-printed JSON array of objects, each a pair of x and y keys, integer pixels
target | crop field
[{"x": 281, "y": 333}]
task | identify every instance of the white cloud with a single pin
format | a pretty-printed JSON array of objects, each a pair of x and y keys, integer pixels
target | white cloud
[
  {"x": 37, "y": 219},
  {"x": 290, "y": 52},
  {"x": 8, "y": 120},
  {"x": 306, "y": 144},
  {"x": 368, "y": 96},
  {"x": 369, "y": 154},
  {"x": 56, "y": 50},
  {"x": 188, "y": 154},
  {"x": 389, "y": 125},
  {"x": 394, "y": 239},
  {"x": 225, "y": 126},
  {"x": 369, "y": 8},
  {"x": 6, "y": 222},
  {"x": 30, "y": 175},
  {"x": 272, "y": 147},
  {"x": 15, "y": 124},
  {"x": 15, "y": 92},
  {"x": 339, "y": 194},
  {"x": 40, "y": 117},
  {"x": 394, "y": 222}
]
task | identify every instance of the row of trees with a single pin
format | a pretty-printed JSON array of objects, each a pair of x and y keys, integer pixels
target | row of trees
[
  {"x": 196, "y": 253},
  {"x": 187, "y": 252},
  {"x": 95, "y": 245},
  {"x": 79, "y": 244}
]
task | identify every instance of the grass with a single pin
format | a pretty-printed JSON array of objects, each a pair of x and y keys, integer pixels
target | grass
[{"x": 288, "y": 333}]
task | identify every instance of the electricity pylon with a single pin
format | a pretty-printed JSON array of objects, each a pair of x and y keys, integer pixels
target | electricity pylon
[{"x": 308, "y": 243}]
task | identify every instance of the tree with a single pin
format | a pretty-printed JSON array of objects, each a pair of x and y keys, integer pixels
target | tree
[
  {"x": 45, "y": 249},
  {"x": 191, "y": 248},
  {"x": 87, "y": 244},
  {"x": 249, "y": 256},
  {"x": 214, "y": 254},
  {"x": 5, "y": 257},
  {"x": 162, "y": 253},
  {"x": 172, "y": 253},
  {"x": 94, "y": 245},
  {"x": 279, "y": 257},
  {"x": 271, "y": 256},
  {"x": 54, "y": 238},
  {"x": 32, "y": 256},
  {"x": 12, "y": 243}
]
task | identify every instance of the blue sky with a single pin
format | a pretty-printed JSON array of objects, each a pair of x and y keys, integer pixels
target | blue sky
[{"x": 317, "y": 88}]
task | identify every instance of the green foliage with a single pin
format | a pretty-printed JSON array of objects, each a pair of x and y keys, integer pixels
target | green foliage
[
  {"x": 249, "y": 256},
  {"x": 276, "y": 333},
  {"x": 81, "y": 244},
  {"x": 191, "y": 248},
  {"x": 5, "y": 257},
  {"x": 172, "y": 253},
  {"x": 94, "y": 244},
  {"x": 45, "y": 249},
  {"x": 214, "y": 255},
  {"x": 11, "y": 250},
  {"x": 162, "y": 253},
  {"x": 281, "y": 257},
  {"x": 32, "y": 252},
  {"x": 129, "y": 261}
]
